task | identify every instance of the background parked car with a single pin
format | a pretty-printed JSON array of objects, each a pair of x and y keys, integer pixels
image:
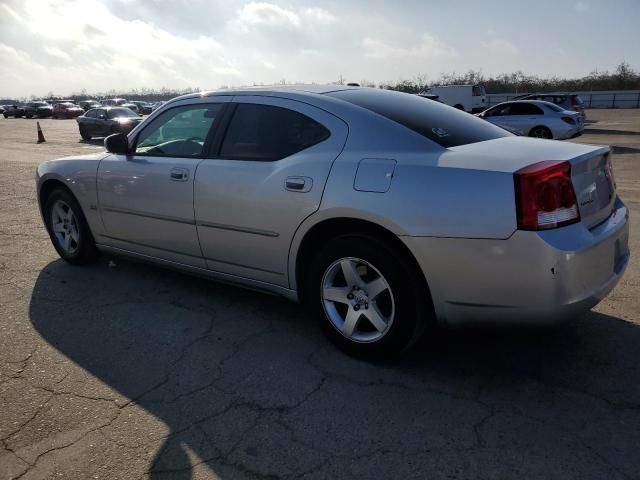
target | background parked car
[
  {"x": 113, "y": 102},
  {"x": 535, "y": 119},
  {"x": 470, "y": 98},
  {"x": 131, "y": 106},
  {"x": 101, "y": 122},
  {"x": 568, "y": 101},
  {"x": 15, "y": 111},
  {"x": 66, "y": 110},
  {"x": 87, "y": 105},
  {"x": 144, "y": 108},
  {"x": 156, "y": 106},
  {"x": 38, "y": 109}
]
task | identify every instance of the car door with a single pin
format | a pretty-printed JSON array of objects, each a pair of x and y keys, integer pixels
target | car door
[
  {"x": 525, "y": 116},
  {"x": 267, "y": 176},
  {"x": 146, "y": 197}
]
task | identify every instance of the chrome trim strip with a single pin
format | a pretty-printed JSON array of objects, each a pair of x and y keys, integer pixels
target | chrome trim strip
[
  {"x": 227, "y": 278},
  {"x": 242, "y": 266},
  {"x": 233, "y": 228},
  {"x": 138, "y": 213},
  {"x": 191, "y": 256}
]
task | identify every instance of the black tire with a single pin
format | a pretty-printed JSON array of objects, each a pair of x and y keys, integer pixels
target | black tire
[
  {"x": 84, "y": 250},
  {"x": 5, "y": 115},
  {"x": 28, "y": 116},
  {"x": 541, "y": 132},
  {"x": 459, "y": 107},
  {"x": 83, "y": 133},
  {"x": 412, "y": 312}
]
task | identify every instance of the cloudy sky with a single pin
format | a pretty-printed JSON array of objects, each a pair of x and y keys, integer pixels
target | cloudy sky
[{"x": 99, "y": 45}]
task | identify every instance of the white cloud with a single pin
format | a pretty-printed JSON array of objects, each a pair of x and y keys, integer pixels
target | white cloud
[
  {"x": 427, "y": 46},
  {"x": 320, "y": 16},
  {"x": 57, "y": 53},
  {"x": 268, "y": 14},
  {"x": 500, "y": 45}
]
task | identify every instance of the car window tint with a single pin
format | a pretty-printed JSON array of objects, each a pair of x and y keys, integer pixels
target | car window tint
[
  {"x": 91, "y": 114},
  {"x": 265, "y": 132},
  {"x": 179, "y": 131},
  {"x": 525, "y": 109},
  {"x": 447, "y": 126}
]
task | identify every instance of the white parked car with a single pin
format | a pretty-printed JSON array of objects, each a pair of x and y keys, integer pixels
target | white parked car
[
  {"x": 114, "y": 102},
  {"x": 470, "y": 98},
  {"x": 535, "y": 118}
]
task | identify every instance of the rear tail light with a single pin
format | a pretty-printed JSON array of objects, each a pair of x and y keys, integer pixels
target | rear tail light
[
  {"x": 609, "y": 172},
  {"x": 545, "y": 197},
  {"x": 569, "y": 120}
]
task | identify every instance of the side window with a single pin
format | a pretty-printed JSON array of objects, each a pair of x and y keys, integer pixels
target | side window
[
  {"x": 267, "y": 133},
  {"x": 500, "y": 111},
  {"x": 101, "y": 114},
  {"x": 91, "y": 114},
  {"x": 179, "y": 131},
  {"x": 525, "y": 109}
]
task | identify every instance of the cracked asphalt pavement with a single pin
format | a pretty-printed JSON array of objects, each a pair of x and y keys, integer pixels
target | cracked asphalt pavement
[{"x": 127, "y": 371}]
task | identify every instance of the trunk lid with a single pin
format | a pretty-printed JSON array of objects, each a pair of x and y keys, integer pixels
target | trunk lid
[{"x": 590, "y": 167}]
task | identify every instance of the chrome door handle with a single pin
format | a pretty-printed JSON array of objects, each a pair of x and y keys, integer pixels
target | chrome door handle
[
  {"x": 179, "y": 174},
  {"x": 298, "y": 184}
]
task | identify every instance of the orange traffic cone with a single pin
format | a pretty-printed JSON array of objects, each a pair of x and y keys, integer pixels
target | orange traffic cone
[{"x": 40, "y": 134}]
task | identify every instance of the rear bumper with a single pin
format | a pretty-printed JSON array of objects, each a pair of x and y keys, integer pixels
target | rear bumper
[{"x": 531, "y": 278}]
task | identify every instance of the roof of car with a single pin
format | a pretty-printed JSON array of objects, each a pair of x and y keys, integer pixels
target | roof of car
[
  {"x": 534, "y": 102},
  {"x": 270, "y": 89}
]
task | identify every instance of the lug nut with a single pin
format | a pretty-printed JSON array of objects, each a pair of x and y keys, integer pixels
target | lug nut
[
  {"x": 350, "y": 296},
  {"x": 356, "y": 307},
  {"x": 366, "y": 306}
]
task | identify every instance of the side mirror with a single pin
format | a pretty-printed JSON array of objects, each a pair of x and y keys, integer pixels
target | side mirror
[{"x": 117, "y": 143}]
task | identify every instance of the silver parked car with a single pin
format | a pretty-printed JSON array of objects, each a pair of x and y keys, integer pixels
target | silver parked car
[
  {"x": 385, "y": 213},
  {"x": 535, "y": 118}
]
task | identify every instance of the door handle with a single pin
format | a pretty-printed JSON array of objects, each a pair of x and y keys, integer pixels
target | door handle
[
  {"x": 298, "y": 184},
  {"x": 179, "y": 174}
]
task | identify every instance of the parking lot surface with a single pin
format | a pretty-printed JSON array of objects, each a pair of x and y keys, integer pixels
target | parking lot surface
[{"x": 127, "y": 371}]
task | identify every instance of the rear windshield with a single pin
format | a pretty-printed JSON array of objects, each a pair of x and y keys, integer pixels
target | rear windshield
[
  {"x": 447, "y": 126},
  {"x": 121, "y": 112},
  {"x": 577, "y": 100},
  {"x": 553, "y": 107}
]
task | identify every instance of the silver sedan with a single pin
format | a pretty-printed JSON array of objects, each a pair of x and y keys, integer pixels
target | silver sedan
[
  {"x": 384, "y": 213},
  {"x": 535, "y": 118}
]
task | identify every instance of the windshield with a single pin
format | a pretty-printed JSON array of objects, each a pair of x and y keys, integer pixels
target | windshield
[
  {"x": 447, "y": 126},
  {"x": 121, "y": 112}
]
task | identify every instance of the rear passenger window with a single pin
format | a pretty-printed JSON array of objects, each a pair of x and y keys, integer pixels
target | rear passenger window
[
  {"x": 267, "y": 133},
  {"x": 91, "y": 114}
]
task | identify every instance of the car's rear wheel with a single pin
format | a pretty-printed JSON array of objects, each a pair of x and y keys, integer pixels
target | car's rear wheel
[
  {"x": 459, "y": 107},
  {"x": 68, "y": 228},
  {"x": 540, "y": 132},
  {"x": 84, "y": 133},
  {"x": 366, "y": 296}
]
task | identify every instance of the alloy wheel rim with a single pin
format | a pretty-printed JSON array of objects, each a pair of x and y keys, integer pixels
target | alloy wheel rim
[
  {"x": 65, "y": 227},
  {"x": 540, "y": 133},
  {"x": 357, "y": 300}
]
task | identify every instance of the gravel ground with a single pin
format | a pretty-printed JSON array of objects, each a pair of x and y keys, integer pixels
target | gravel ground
[{"x": 127, "y": 371}]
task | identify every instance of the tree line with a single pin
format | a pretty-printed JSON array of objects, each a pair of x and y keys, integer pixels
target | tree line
[{"x": 624, "y": 77}]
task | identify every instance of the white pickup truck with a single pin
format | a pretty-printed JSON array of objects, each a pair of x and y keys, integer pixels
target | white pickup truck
[{"x": 470, "y": 98}]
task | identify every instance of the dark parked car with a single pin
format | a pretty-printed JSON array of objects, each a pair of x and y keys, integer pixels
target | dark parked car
[
  {"x": 38, "y": 109},
  {"x": 101, "y": 122},
  {"x": 568, "y": 101},
  {"x": 87, "y": 105},
  {"x": 66, "y": 110},
  {"x": 15, "y": 111},
  {"x": 144, "y": 108}
]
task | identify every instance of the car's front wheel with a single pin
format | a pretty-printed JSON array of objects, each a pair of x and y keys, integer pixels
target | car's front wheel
[
  {"x": 366, "y": 296},
  {"x": 84, "y": 133},
  {"x": 68, "y": 228}
]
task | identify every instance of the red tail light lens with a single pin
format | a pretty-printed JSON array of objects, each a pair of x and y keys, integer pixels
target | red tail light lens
[
  {"x": 568, "y": 120},
  {"x": 545, "y": 197}
]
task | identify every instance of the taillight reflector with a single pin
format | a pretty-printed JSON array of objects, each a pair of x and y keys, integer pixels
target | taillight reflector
[
  {"x": 545, "y": 197},
  {"x": 568, "y": 120}
]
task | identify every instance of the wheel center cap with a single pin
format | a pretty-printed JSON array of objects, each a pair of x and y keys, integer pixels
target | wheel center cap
[{"x": 360, "y": 296}]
